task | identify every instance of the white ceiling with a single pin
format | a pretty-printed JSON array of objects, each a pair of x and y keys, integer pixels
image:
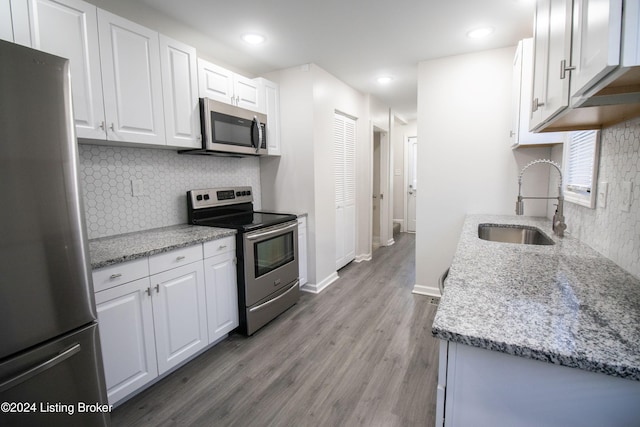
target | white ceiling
[{"x": 355, "y": 40}]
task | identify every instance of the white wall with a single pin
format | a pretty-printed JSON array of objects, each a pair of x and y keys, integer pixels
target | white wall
[
  {"x": 465, "y": 163},
  {"x": 303, "y": 179}
]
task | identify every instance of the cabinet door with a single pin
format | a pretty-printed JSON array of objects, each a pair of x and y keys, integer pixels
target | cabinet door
[
  {"x": 552, "y": 47},
  {"x": 130, "y": 57},
  {"x": 247, "y": 93},
  {"x": 69, "y": 28},
  {"x": 215, "y": 82},
  {"x": 597, "y": 30},
  {"x": 125, "y": 321},
  {"x": 516, "y": 100},
  {"x": 6, "y": 26},
  {"x": 523, "y": 71},
  {"x": 179, "y": 314},
  {"x": 222, "y": 295},
  {"x": 272, "y": 109},
  {"x": 180, "y": 93}
]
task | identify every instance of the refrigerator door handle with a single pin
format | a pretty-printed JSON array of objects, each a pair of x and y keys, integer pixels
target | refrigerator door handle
[{"x": 30, "y": 373}]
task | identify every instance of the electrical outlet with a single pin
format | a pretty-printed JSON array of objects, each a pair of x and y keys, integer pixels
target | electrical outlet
[
  {"x": 627, "y": 195},
  {"x": 137, "y": 187},
  {"x": 603, "y": 188}
]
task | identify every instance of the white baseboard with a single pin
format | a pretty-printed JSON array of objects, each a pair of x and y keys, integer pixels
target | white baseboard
[
  {"x": 426, "y": 290},
  {"x": 390, "y": 242},
  {"x": 364, "y": 257},
  {"x": 324, "y": 284}
]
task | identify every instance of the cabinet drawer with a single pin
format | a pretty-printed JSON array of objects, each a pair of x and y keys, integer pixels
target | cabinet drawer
[
  {"x": 219, "y": 246},
  {"x": 168, "y": 260},
  {"x": 114, "y": 275}
]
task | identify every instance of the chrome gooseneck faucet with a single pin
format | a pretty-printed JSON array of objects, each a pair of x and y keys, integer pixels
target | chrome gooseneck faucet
[{"x": 558, "y": 218}]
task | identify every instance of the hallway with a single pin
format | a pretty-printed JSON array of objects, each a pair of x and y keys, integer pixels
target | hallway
[{"x": 359, "y": 353}]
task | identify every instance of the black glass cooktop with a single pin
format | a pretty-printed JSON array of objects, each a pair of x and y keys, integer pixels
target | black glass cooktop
[{"x": 247, "y": 221}]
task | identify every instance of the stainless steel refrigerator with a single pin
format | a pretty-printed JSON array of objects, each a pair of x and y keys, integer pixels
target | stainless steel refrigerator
[{"x": 50, "y": 362}]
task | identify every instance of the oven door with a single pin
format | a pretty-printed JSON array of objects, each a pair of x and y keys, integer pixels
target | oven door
[{"x": 270, "y": 260}]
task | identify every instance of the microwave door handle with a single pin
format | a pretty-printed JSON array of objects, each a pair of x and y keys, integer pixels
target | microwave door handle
[{"x": 256, "y": 123}]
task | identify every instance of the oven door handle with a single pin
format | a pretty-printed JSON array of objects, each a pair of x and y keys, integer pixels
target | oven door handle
[
  {"x": 271, "y": 232},
  {"x": 271, "y": 301}
]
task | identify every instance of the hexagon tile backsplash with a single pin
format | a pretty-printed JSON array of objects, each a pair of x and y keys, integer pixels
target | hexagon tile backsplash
[
  {"x": 162, "y": 179},
  {"x": 611, "y": 230}
]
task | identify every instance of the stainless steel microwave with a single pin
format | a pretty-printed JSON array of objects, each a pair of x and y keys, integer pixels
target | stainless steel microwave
[{"x": 232, "y": 130}]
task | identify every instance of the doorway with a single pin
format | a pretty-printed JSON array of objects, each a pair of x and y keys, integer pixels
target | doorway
[
  {"x": 381, "y": 228},
  {"x": 412, "y": 183},
  {"x": 376, "y": 190}
]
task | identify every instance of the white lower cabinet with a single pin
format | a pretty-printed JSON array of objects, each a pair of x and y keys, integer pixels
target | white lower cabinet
[
  {"x": 127, "y": 337},
  {"x": 479, "y": 387},
  {"x": 302, "y": 250},
  {"x": 221, "y": 288},
  {"x": 155, "y": 313}
]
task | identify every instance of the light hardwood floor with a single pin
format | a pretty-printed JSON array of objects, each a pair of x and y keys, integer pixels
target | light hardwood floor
[{"x": 359, "y": 353}]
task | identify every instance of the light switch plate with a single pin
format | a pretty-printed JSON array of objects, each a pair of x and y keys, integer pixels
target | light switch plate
[
  {"x": 603, "y": 189},
  {"x": 627, "y": 194}
]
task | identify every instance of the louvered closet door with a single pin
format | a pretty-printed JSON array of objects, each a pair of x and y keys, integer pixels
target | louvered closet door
[{"x": 345, "y": 178}]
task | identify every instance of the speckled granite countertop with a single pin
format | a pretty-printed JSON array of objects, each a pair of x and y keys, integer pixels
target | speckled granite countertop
[
  {"x": 565, "y": 304},
  {"x": 126, "y": 247}
]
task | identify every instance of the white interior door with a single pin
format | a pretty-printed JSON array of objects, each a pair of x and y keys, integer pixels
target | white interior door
[
  {"x": 412, "y": 190},
  {"x": 345, "y": 181}
]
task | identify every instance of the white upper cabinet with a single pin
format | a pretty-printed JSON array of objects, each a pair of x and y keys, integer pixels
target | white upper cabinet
[
  {"x": 130, "y": 56},
  {"x": 587, "y": 58},
  {"x": 220, "y": 84},
  {"x": 68, "y": 28},
  {"x": 597, "y": 29},
  {"x": 270, "y": 99},
  {"x": 552, "y": 45},
  {"x": 180, "y": 92},
  {"x": 6, "y": 26},
  {"x": 521, "y": 105}
]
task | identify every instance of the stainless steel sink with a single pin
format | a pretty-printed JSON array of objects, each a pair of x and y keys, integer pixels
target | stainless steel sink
[{"x": 513, "y": 234}]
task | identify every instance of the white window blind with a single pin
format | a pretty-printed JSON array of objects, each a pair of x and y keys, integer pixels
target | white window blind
[{"x": 581, "y": 167}]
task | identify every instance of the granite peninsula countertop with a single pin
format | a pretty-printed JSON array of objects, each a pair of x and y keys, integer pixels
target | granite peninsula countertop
[
  {"x": 126, "y": 247},
  {"x": 565, "y": 304}
]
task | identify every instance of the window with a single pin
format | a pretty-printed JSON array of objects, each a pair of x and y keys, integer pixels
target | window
[{"x": 581, "y": 154}]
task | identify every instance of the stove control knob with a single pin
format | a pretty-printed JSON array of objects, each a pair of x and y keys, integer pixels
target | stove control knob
[
  {"x": 249, "y": 193},
  {"x": 199, "y": 197},
  {"x": 206, "y": 197}
]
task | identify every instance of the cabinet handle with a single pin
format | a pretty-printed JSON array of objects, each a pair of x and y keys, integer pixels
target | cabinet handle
[
  {"x": 222, "y": 247},
  {"x": 180, "y": 258},
  {"x": 148, "y": 291},
  {"x": 511, "y": 134},
  {"x": 237, "y": 100},
  {"x": 115, "y": 276},
  {"x": 233, "y": 100},
  {"x": 101, "y": 126},
  {"x": 112, "y": 127},
  {"x": 157, "y": 289},
  {"x": 536, "y": 104},
  {"x": 564, "y": 69}
]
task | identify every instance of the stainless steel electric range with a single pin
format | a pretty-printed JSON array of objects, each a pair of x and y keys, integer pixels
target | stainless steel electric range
[{"x": 266, "y": 248}]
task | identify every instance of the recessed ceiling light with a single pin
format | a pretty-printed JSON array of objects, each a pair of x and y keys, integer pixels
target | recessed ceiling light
[
  {"x": 253, "y": 38},
  {"x": 384, "y": 80},
  {"x": 479, "y": 33}
]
